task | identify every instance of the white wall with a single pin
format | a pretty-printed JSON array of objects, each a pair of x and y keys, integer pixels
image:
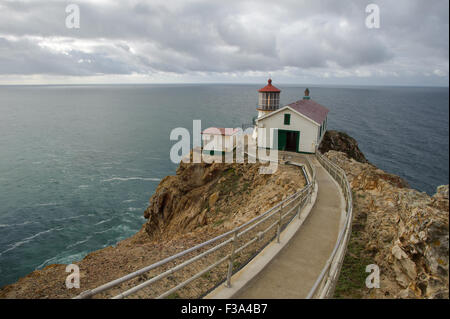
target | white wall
[
  {"x": 218, "y": 142},
  {"x": 308, "y": 130}
]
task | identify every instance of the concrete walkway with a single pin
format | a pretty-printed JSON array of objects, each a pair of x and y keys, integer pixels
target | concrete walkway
[{"x": 292, "y": 273}]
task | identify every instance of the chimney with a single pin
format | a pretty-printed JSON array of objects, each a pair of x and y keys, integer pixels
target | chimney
[{"x": 306, "y": 97}]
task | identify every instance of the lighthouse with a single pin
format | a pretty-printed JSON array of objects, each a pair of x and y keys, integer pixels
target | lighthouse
[
  {"x": 296, "y": 127},
  {"x": 268, "y": 99}
]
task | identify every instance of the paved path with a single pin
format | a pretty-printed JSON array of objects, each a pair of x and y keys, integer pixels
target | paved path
[{"x": 292, "y": 273}]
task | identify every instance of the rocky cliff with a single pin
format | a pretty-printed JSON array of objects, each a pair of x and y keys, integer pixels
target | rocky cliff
[
  {"x": 208, "y": 195},
  {"x": 341, "y": 142},
  {"x": 403, "y": 231}
]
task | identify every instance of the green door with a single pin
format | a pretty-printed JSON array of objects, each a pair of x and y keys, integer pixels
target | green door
[
  {"x": 281, "y": 140},
  {"x": 288, "y": 140}
]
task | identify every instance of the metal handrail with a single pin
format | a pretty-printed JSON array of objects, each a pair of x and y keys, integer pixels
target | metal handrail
[
  {"x": 298, "y": 200},
  {"x": 324, "y": 285}
]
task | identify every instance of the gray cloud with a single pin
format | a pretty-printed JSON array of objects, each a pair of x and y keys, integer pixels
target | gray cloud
[{"x": 292, "y": 39}]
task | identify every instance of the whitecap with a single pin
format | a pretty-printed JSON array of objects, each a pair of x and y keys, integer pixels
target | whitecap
[
  {"x": 79, "y": 242},
  {"x": 45, "y": 262},
  {"x": 28, "y": 239},
  {"x": 104, "y": 231},
  {"x": 103, "y": 221},
  {"x": 71, "y": 217},
  {"x": 47, "y": 204},
  {"x": 19, "y": 224},
  {"x": 63, "y": 259}
]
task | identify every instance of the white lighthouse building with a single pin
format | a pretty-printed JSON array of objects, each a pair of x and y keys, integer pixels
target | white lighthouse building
[{"x": 296, "y": 127}]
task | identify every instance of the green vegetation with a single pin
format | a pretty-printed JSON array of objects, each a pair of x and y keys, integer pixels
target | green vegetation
[
  {"x": 207, "y": 275},
  {"x": 173, "y": 296},
  {"x": 218, "y": 222},
  {"x": 230, "y": 182},
  {"x": 353, "y": 273}
]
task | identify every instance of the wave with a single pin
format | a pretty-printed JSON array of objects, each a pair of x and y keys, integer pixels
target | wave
[
  {"x": 79, "y": 242},
  {"x": 72, "y": 217},
  {"x": 47, "y": 204},
  {"x": 58, "y": 259},
  {"x": 104, "y": 231},
  {"x": 45, "y": 263},
  {"x": 19, "y": 224},
  {"x": 103, "y": 221},
  {"x": 28, "y": 239},
  {"x": 122, "y": 179}
]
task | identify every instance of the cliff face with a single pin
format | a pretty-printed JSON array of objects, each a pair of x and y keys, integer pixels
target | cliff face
[
  {"x": 403, "y": 231},
  {"x": 214, "y": 196},
  {"x": 341, "y": 142}
]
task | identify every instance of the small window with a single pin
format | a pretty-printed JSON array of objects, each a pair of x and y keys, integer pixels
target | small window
[{"x": 287, "y": 119}]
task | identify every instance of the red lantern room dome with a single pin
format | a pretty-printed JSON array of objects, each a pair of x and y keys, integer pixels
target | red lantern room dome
[
  {"x": 269, "y": 88},
  {"x": 268, "y": 98}
]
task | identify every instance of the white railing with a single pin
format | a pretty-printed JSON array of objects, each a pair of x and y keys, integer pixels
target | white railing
[
  {"x": 326, "y": 282},
  {"x": 249, "y": 235}
]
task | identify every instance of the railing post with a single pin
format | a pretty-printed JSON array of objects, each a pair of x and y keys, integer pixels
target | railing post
[
  {"x": 279, "y": 224},
  {"x": 300, "y": 206},
  {"x": 310, "y": 191},
  {"x": 230, "y": 261}
]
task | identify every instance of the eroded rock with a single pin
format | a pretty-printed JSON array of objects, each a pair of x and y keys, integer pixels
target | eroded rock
[{"x": 406, "y": 232}]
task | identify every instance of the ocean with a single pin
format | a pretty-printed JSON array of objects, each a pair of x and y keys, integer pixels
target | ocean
[{"x": 78, "y": 164}]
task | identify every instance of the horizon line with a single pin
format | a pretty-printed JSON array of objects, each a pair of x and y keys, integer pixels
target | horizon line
[{"x": 229, "y": 83}]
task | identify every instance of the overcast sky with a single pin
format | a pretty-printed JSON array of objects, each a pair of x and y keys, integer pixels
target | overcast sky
[{"x": 295, "y": 41}]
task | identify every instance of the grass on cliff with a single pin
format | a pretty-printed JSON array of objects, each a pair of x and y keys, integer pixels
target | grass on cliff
[
  {"x": 353, "y": 274},
  {"x": 231, "y": 183}
]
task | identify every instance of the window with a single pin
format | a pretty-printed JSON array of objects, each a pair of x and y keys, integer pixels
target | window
[{"x": 287, "y": 119}]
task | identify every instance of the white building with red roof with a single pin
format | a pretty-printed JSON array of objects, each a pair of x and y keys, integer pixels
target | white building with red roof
[
  {"x": 297, "y": 127},
  {"x": 218, "y": 140}
]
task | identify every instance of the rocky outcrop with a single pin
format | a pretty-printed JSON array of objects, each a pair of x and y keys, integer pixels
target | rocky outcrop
[
  {"x": 341, "y": 142},
  {"x": 204, "y": 195},
  {"x": 403, "y": 231}
]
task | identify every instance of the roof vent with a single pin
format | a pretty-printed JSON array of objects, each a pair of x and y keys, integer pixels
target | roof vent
[{"x": 306, "y": 97}]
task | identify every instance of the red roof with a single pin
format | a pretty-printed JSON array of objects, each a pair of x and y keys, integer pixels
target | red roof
[
  {"x": 310, "y": 109},
  {"x": 269, "y": 88},
  {"x": 220, "y": 131}
]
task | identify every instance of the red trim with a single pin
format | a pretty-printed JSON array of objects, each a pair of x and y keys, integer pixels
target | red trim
[{"x": 270, "y": 88}]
